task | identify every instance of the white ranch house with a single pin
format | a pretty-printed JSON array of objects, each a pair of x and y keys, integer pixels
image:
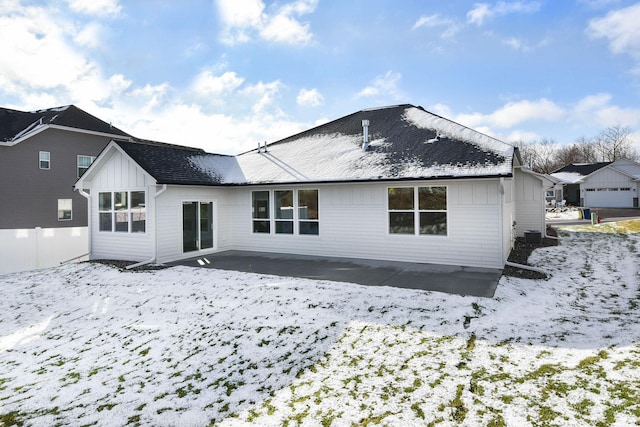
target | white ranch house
[
  {"x": 394, "y": 183},
  {"x": 602, "y": 185}
]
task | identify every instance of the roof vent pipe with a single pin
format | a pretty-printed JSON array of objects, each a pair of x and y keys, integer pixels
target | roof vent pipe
[
  {"x": 365, "y": 134},
  {"x": 265, "y": 147}
]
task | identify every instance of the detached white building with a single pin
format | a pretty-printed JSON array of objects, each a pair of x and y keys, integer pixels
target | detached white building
[
  {"x": 601, "y": 185},
  {"x": 395, "y": 183}
]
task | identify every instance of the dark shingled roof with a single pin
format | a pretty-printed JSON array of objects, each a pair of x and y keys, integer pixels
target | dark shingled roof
[
  {"x": 14, "y": 123},
  {"x": 174, "y": 164},
  {"x": 583, "y": 169},
  {"x": 407, "y": 141}
]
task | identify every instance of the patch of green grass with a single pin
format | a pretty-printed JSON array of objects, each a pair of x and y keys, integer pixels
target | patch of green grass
[{"x": 11, "y": 419}]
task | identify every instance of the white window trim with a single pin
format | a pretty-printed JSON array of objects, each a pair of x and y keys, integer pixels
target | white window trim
[
  {"x": 416, "y": 212},
  {"x": 40, "y": 160},
  {"x": 272, "y": 213},
  {"x": 112, "y": 211},
  {"x": 70, "y": 209},
  {"x": 78, "y": 175}
]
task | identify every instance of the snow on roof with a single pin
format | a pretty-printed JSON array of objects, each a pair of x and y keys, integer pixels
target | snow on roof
[
  {"x": 406, "y": 142},
  {"x": 447, "y": 128},
  {"x": 568, "y": 177}
]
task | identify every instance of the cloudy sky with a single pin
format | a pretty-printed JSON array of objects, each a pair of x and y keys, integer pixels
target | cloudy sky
[{"x": 225, "y": 74}]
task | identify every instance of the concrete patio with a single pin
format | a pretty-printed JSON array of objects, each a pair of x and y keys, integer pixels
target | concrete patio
[{"x": 473, "y": 281}]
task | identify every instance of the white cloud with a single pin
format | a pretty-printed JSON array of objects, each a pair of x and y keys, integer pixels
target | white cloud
[
  {"x": 385, "y": 85},
  {"x": 485, "y": 11},
  {"x": 620, "y": 28},
  {"x": 309, "y": 98},
  {"x": 90, "y": 35},
  {"x": 596, "y": 110},
  {"x": 95, "y": 7},
  {"x": 242, "y": 19},
  {"x": 207, "y": 84},
  {"x": 515, "y": 113},
  {"x": 450, "y": 27},
  {"x": 38, "y": 38}
]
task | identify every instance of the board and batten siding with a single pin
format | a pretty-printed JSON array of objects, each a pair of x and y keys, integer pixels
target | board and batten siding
[
  {"x": 122, "y": 174},
  {"x": 529, "y": 198},
  {"x": 610, "y": 189},
  {"x": 354, "y": 223},
  {"x": 169, "y": 212}
]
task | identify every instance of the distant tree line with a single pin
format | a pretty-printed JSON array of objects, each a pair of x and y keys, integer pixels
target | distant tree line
[{"x": 609, "y": 145}]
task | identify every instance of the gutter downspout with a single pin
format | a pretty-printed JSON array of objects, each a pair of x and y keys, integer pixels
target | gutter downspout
[
  {"x": 527, "y": 267},
  {"x": 155, "y": 229},
  {"x": 89, "y": 228}
]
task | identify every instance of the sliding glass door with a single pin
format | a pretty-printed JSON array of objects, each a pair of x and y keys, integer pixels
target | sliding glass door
[{"x": 197, "y": 226}]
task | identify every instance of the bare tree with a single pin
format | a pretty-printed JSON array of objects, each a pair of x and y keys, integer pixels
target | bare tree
[{"x": 614, "y": 143}]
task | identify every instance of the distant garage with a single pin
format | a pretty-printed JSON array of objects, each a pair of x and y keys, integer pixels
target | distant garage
[
  {"x": 611, "y": 197},
  {"x": 600, "y": 185}
]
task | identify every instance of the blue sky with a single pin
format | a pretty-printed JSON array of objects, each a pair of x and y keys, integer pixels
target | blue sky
[{"x": 225, "y": 74}]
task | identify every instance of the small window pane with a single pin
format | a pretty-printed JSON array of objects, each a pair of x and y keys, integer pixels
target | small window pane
[
  {"x": 284, "y": 227},
  {"x": 432, "y": 198},
  {"x": 260, "y": 204},
  {"x": 401, "y": 199},
  {"x": 283, "y": 204},
  {"x": 137, "y": 200},
  {"x": 401, "y": 223},
  {"x": 433, "y": 223},
  {"x": 120, "y": 201},
  {"x": 106, "y": 222},
  {"x": 308, "y": 227},
  {"x": 307, "y": 204},
  {"x": 122, "y": 221},
  {"x": 64, "y": 209},
  {"x": 261, "y": 227},
  {"x": 104, "y": 201}
]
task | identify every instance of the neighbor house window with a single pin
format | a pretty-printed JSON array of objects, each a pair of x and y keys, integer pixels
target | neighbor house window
[
  {"x": 64, "y": 209},
  {"x": 418, "y": 210},
  {"x": 44, "y": 160},
  {"x": 294, "y": 212},
  {"x": 122, "y": 211},
  {"x": 260, "y": 215},
  {"x": 83, "y": 164}
]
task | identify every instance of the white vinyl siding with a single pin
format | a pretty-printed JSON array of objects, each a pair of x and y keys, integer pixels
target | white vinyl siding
[
  {"x": 608, "y": 188},
  {"x": 121, "y": 174},
  {"x": 530, "y": 202},
  {"x": 355, "y": 224}
]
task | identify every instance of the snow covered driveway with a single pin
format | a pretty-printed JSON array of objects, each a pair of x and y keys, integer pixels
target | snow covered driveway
[{"x": 87, "y": 344}]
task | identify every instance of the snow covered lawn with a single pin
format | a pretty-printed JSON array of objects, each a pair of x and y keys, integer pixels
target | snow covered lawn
[{"x": 87, "y": 344}]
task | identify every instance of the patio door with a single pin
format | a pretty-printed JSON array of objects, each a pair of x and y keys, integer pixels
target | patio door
[{"x": 197, "y": 226}]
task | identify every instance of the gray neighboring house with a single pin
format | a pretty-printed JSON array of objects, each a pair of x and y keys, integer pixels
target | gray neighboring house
[
  {"x": 42, "y": 154},
  {"x": 43, "y": 222}
]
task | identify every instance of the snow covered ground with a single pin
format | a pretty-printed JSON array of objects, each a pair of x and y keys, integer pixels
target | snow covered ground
[
  {"x": 565, "y": 214},
  {"x": 86, "y": 344}
]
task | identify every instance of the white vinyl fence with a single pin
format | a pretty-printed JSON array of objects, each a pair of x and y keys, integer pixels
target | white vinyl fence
[{"x": 29, "y": 249}]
